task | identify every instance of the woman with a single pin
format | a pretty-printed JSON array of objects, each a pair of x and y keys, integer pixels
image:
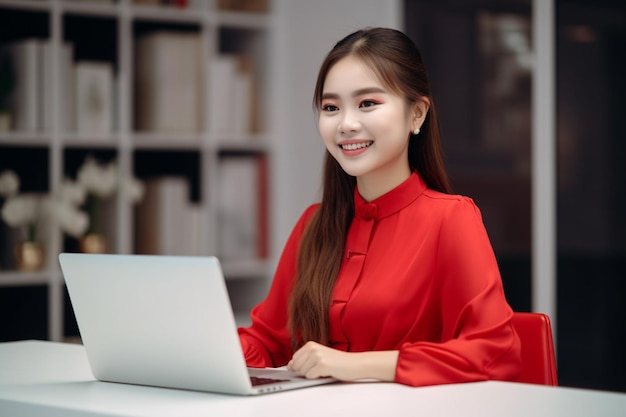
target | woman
[{"x": 390, "y": 277}]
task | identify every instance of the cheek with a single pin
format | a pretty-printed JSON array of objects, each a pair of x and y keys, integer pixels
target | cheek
[
  {"x": 390, "y": 122},
  {"x": 327, "y": 128}
]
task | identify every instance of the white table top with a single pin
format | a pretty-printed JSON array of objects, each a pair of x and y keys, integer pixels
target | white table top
[{"x": 54, "y": 379}]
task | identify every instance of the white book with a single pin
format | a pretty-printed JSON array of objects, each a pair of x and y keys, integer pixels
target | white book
[
  {"x": 193, "y": 236},
  {"x": 230, "y": 96},
  {"x": 238, "y": 208},
  {"x": 94, "y": 97},
  {"x": 23, "y": 102},
  {"x": 45, "y": 76},
  {"x": 168, "y": 82},
  {"x": 68, "y": 89},
  {"x": 221, "y": 79},
  {"x": 167, "y": 223},
  {"x": 242, "y": 102},
  {"x": 66, "y": 108}
]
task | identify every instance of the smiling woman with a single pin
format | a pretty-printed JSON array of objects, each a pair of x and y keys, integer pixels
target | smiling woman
[
  {"x": 372, "y": 123},
  {"x": 390, "y": 276}
]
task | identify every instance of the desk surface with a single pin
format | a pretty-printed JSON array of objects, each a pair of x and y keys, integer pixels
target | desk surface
[{"x": 54, "y": 379}]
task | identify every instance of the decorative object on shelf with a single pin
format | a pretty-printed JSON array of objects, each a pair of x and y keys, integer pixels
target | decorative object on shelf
[
  {"x": 67, "y": 211},
  {"x": 99, "y": 182},
  {"x": 93, "y": 243},
  {"x": 5, "y": 121},
  {"x": 9, "y": 183},
  {"x": 94, "y": 97},
  {"x": 23, "y": 212},
  {"x": 32, "y": 212},
  {"x": 29, "y": 256}
]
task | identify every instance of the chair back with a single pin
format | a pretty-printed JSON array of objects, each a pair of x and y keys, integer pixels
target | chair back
[{"x": 538, "y": 358}]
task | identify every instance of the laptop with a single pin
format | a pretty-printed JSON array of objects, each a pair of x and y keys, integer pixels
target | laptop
[{"x": 164, "y": 321}]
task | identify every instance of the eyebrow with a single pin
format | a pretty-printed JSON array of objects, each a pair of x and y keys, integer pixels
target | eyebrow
[{"x": 357, "y": 93}]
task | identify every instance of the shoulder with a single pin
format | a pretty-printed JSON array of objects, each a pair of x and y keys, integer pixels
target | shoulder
[
  {"x": 305, "y": 217},
  {"x": 309, "y": 211},
  {"x": 450, "y": 203},
  {"x": 458, "y": 216}
]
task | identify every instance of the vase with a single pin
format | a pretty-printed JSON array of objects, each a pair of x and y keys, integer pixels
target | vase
[
  {"x": 5, "y": 121},
  {"x": 29, "y": 256},
  {"x": 93, "y": 243}
]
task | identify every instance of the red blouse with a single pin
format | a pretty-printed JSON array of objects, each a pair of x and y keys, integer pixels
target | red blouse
[{"x": 419, "y": 275}]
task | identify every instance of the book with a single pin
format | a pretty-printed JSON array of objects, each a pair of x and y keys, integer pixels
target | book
[
  {"x": 173, "y": 3},
  {"x": 257, "y": 6},
  {"x": 67, "y": 88},
  {"x": 168, "y": 82},
  {"x": 24, "y": 60},
  {"x": 166, "y": 221},
  {"x": 94, "y": 97},
  {"x": 231, "y": 99},
  {"x": 243, "y": 212}
]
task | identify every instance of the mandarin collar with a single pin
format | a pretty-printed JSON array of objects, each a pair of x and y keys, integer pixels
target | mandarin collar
[{"x": 390, "y": 202}]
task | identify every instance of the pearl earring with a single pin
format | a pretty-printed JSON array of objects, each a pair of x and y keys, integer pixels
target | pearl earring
[{"x": 416, "y": 131}]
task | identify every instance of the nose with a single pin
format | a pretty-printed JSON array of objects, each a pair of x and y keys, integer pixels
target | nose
[{"x": 349, "y": 122}]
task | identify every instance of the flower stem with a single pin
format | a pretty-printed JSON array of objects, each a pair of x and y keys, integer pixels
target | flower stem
[{"x": 32, "y": 232}]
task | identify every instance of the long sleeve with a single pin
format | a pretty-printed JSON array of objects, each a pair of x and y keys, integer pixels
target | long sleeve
[
  {"x": 266, "y": 343},
  {"x": 477, "y": 338}
]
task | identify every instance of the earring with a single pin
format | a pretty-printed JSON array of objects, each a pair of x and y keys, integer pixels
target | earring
[{"x": 416, "y": 131}]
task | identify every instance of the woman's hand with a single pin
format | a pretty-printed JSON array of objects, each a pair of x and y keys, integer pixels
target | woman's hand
[{"x": 314, "y": 360}]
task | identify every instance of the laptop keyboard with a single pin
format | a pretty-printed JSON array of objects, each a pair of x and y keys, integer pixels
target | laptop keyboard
[{"x": 256, "y": 381}]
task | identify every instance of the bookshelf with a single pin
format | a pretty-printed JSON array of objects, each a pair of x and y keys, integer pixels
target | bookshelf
[
  {"x": 132, "y": 129},
  {"x": 286, "y": 46}
]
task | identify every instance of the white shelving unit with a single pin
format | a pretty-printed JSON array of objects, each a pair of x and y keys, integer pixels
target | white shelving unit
[
  {"x": 218, "y": 29},
  {"x": 287, "y": 44}
]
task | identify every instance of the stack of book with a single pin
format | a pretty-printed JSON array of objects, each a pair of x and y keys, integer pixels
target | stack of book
[
  {"x": 86, "y": 89},
  {"x": 243, "y": 207},
  {"x": 168, "y": 82},
  {"x": 232, "y": 96},
  {"x": 166, "y": 221}
]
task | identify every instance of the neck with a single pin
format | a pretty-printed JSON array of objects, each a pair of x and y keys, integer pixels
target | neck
[{"x": 372, "y": 186}]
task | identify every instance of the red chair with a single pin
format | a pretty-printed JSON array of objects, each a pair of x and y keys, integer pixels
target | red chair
[{"x": 538, "y": 359}]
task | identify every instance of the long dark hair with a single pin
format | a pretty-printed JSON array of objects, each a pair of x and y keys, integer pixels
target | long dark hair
[{"x": 397, "y": 63}]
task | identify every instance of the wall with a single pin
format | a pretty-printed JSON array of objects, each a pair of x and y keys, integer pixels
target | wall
[{"x": 304, "y": 32}]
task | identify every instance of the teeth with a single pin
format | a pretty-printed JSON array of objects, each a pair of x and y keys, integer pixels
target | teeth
[{"x": 355, "y": 146}]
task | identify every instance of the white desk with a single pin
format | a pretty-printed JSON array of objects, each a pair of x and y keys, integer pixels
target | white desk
[{"x": 54, "y": 379}]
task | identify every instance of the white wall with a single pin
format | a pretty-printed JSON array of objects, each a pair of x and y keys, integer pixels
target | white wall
[{"x": 303, "y": 33}]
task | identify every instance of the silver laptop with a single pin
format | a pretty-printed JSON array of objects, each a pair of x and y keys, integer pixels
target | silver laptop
[{"x": 164, "y": 321}]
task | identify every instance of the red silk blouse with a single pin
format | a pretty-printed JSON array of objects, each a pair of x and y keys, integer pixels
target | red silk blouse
[{"x": 419, "y": 275}]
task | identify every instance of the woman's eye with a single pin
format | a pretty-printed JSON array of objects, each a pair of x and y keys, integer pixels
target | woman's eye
[
  {"x": 368, "y": 103},
  {"x": 329, "y": 107}
]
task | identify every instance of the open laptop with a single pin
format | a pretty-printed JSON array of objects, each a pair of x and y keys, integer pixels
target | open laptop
[{"x": 164, "y": 321}]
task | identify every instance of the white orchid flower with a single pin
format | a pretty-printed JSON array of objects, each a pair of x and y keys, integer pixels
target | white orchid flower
[
  {"x": 72, "y": 192},
  {"x": 132, "y": 189},
  {"x": 98, "y": 179},
  {"x": 20, "y": 210},
  {"x": 9, "y": 183},
  {"x": 72, "y": 221}
]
